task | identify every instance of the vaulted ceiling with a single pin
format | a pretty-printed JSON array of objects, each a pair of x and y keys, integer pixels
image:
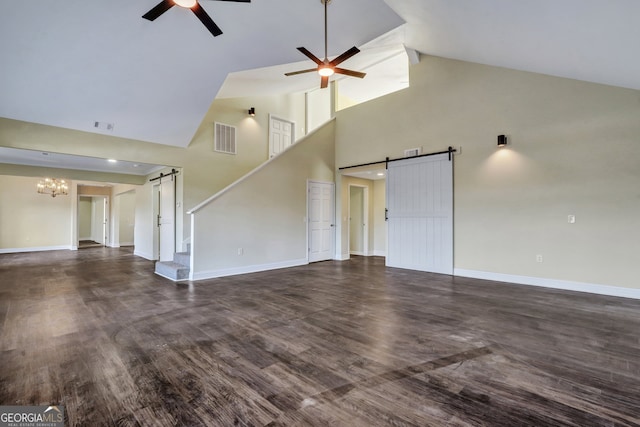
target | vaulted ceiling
[{"x": 76, "y": 62}]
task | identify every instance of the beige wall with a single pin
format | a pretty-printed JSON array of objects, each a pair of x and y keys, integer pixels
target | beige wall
[
  {"x": 32, "y": 221},
  {"x": 204, "y": 172},
  {"x": 379, "y": 223},
  {"x": 574, "y": 150},
  {"x": 264, "y": 215},
  {"x": 125, "y": 203}
]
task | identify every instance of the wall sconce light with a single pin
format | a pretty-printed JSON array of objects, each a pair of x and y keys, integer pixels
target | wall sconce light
[
  {"x": 252, "y": 111},
  {"x": 502, "y": 140}
]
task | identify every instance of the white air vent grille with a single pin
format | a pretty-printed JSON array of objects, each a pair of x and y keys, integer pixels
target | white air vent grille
[
  {"x": 224, "y": 138},
  {"x": 412, "y": 152}
]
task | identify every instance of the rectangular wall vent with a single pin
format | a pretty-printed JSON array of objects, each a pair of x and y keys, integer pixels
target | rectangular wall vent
[
  {"x": 412, "y": 152},
  {"x": 224, "y": 138}
]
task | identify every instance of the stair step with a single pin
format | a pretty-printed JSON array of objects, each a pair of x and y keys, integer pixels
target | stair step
[
  {"x": 172, "y": 270},
  {"x": 183, "y": 258}
]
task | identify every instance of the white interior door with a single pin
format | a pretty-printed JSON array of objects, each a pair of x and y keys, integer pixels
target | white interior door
[
  {"x": 281, "y": 135},
  {"x": 320, "y": 221},
  {"x": 166, "y": 219},
  {"x": 420, "y": 214}
]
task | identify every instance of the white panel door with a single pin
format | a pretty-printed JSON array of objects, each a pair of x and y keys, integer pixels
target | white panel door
[
  {"x": 420, "y": 214},
  {"x": 280, "y": 135},
  {"x": 320, "y": 221},
  {"x": 166, "y": 220}
]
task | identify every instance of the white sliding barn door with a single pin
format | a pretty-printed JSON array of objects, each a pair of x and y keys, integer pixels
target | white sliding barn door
[
  {"x": 420, "y": 214},
  {"x": 320, "y": 221},
  {"x": 166, "y": 219}
]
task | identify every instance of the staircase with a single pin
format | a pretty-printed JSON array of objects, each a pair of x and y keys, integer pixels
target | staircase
[{"x": 176, "y": 270}]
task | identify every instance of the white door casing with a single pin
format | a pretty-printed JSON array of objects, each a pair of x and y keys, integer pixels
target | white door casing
[
  {"x": 420, "y": 214},
  {"x": 320, "y": 220},
  {"x": 281, "y": 135}
]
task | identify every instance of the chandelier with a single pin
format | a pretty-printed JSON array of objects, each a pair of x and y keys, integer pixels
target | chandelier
[{"x": 53, "y": 186}]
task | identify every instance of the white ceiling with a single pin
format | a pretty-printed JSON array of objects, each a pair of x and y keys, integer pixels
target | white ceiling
[{"x": 72, "y": 63}]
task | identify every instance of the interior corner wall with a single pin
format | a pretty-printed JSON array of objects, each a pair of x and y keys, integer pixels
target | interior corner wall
[
  {"x": 32, "y": 221},
  {"x": 143, "y": 232},
  {"x": 126, "y": 217},
  {"x": 260, "y": 222},
  {"x": 573, "y": 150},
  {"x": 318, "y": 107},
  {"x": 379, "y": 222}
]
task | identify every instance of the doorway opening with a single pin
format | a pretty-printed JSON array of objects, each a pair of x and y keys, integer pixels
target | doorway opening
[
  {"x": 93, "y": 215},
  {"x": 281, "y": 135},
  {"x": 358, "y": 220}
]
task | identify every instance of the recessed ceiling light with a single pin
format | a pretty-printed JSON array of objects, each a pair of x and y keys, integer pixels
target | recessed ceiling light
[
  {"x": 380, "y": 173},
  {"x": 112, "y": 161},
  {"x": 135, "y": 165}
]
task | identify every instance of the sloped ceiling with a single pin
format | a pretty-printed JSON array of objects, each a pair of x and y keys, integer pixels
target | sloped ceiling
[
  {"x": 72, "y": 63},
  {"x": 76, "y": 62}
]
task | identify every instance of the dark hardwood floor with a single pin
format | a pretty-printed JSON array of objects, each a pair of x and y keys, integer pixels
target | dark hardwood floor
[{"x": 335, "y": 343}]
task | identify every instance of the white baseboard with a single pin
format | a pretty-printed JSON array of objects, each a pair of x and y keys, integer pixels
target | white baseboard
[
  {"x": 358, "y": 253},
  {"x": 212, "y": 274},
  {"x": 35, "y": 249},
  {"x": 566, "y": 285},
  {"x": 373, "y": 253},
  {"x": 126, "y": 244},
  {"x": 144, "y": 255}
]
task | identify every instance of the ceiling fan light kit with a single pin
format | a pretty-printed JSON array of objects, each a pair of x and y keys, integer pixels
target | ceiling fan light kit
[
  {"x": 326, "y": 71},
  {"x": 328, "y": 68},
  {"x": 195, "y": 7},
  {"x": 185, "y": 3}
]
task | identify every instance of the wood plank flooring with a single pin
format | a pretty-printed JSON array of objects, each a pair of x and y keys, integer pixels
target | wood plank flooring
[{"x": 330, "y": 344}]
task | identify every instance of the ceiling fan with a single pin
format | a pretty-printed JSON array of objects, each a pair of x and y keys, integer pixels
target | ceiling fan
[
  {"x": 325, "y": 67},
  {"x": 195, "y": 7}
]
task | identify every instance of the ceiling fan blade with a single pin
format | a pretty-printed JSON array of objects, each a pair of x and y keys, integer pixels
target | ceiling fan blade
[
  {"x": 206, "y": 20},
  {"x": 350, "y": 72},
  {"x": 161, "y": 8},
  {"x": 310, "y": 55},
  {"x": 324, "y": 82},
  {"x": 346, "y": 55},
  {"x": 293, "y": 73}
]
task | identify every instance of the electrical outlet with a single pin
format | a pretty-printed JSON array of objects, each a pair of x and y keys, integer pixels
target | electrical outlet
[
  {"x": 240, "y": 251},
  {"x": 571, "y": 219},
  {"x": 538, "y": 258}
]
